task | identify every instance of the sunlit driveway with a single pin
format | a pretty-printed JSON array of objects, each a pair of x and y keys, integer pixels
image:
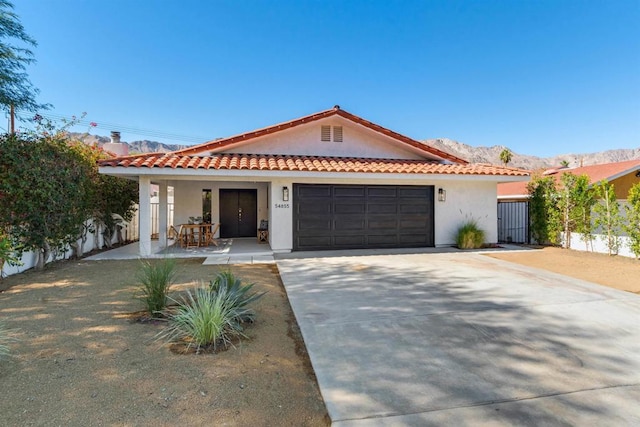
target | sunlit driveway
[{"x": 463, "y": 339}]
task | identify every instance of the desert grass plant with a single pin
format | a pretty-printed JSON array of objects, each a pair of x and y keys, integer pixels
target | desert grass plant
[
  {"x": 203, "y": 319},
  {"x": 212, "y": 315},
  {"x": 237, "y": 295},
  {"x": 155, "y": 278},
  {"x": 5, "y": 340},
  {"x": 469, "y": 235}
]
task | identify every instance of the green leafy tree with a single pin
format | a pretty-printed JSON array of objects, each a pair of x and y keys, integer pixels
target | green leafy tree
[
  {"x": 574, "y": 205},
  {"x": 582, "y": 195},
  {"x": 15, "y": 54},
  {"x": 543, "y": 210},
  {"x": 632, "y": 225},
  {"x": 113, "y": 197},
  {"x": 564, "y": 163},
  {"x": 45, "y": 188},
  {"x": 608, "y": 217},
  {"x": 505, "y": 156}
]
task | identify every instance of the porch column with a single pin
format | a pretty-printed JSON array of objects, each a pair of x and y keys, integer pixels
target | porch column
[
  {"x": 144, "y": 211},
  {"x": 163, "y": 215}
]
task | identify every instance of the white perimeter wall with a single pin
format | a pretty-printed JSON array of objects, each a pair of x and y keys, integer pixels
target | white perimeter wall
[{"x": 29, "y": 259}]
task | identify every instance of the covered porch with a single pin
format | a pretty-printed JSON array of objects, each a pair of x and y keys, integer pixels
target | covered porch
[{"x": 238, "y": 211}]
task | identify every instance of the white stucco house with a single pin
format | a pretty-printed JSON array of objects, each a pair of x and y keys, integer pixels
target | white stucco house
[{"x": 329, "y": 180}]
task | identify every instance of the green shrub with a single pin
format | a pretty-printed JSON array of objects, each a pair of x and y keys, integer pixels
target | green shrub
[
  {"x": 213, "y": 314},
  {"x": 156, "y": 277},
  {"x": 203, "y": 319},
  {"x": 237, "y": 295},
  {"x": 470, "y": 236}
]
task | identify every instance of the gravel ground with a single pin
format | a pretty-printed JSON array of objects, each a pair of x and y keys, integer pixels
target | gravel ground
[
  {"x": 80, "y": 360},
  {"x": 613, "y": 271}
]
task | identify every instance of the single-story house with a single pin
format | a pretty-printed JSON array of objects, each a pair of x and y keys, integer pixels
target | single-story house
[
  {"x": 329, "y": 180},
  {"x": 513, "y": 197},
  {"x": 623, "y": 176}
]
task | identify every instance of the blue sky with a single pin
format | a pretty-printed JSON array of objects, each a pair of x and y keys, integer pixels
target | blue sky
[{"x": 540, "y": 77}]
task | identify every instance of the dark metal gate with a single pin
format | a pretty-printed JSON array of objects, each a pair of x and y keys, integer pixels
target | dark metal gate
[{"x": 513, "y": 222}]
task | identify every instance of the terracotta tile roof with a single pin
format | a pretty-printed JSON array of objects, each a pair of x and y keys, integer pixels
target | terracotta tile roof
[
  {"x": 506, "y": 189},
  {"x": 596, "y": 173},
  {"x": 267, "y": 162},
  {"x": 226, "y": 142}
]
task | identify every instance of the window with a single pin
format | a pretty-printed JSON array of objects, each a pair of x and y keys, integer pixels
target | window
[{"x": 206, "y": 206}]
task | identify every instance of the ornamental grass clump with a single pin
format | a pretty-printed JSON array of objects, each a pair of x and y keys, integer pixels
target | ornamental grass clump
[
  {"x": 156, "y": 278},
  {"x": 470, "y": 236},
  {"x": 211, "y": 316},
  {"x": 237, "y": 295},
  {"x": 5, "y": 340}
]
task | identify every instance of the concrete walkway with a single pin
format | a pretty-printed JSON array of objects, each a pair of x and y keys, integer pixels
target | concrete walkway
[
  {"x": 462, "y": 339},
  {"x": 242, "y": 250}
]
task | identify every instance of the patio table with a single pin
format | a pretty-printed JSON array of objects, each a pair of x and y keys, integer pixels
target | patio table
[{"x": 196, "y": 235}]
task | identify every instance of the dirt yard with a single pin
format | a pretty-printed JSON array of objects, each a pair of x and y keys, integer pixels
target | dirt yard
[
  {"x": 614, "y": 271},
  {"x": 81, "y": 361}
]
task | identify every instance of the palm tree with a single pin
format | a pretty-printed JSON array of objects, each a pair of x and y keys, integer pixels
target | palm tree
[{"x": 505, "y": 156}]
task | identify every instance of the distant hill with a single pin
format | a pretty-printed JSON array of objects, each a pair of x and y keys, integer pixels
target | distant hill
[
  {"x": 492, "y": 155},
  {"x": 489, "y": 155},
  {"x": 135, "y": 147}
]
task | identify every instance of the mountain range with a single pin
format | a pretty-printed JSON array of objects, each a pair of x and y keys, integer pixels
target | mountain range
[{"x": 472, "y": 154}]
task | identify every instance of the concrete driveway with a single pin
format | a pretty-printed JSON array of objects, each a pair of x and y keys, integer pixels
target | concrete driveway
[{"x": 463, "y": 339}]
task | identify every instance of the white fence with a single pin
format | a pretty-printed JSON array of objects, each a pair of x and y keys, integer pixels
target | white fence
[{"x": 130, "y": 233}]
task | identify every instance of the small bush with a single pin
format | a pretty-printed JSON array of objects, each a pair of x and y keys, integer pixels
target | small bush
[
  {"x": 156, "y": 277},
  {"x": 237, "y": 295},
  {"x": 213, "y": 314},
  {"x": 203, "y": 319},
  {"x": 470, "y": 236}
]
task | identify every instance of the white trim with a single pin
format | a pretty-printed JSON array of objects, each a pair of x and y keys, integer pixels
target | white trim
[{"x": 262, "y": 175}]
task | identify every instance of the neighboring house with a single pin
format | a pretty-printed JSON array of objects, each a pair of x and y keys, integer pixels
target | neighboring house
[
  {"x": 330, "y": 180},
  {"x": 513, "y": 196}
]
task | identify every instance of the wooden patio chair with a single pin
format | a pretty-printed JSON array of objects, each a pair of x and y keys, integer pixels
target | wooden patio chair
[
  {"x": 211, "y": 233},
  {"x": 263, "y": 231}
]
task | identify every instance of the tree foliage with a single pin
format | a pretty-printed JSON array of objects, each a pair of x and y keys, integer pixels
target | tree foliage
[
  {"x": 543, "y": 210},
  {"x": 45, "y": 192},
  {"x": 506, "y": 156},
  {"x": 556, "y": 209},
  {"x": 15, "y": 54},
  {"x": 632, "y": 226},
  {"x": 112, "y": 197},
  {"x": 608, "y": 217},
  {"x": 50, "y": 188},
  {"x": 574, "y": 203}
]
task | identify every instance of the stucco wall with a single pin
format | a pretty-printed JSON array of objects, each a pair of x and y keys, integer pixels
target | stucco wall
[
  {"x": 305, "y": 140},
  {"x": 464, "y": 201},
  {"x": 623, "y": 184}
]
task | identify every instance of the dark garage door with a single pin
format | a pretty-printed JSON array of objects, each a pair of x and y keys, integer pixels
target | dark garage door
[{"x": 362, "y": 216}]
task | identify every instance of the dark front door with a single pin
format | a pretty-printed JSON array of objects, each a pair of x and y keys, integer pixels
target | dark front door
[{"x": 238, "y": 213}]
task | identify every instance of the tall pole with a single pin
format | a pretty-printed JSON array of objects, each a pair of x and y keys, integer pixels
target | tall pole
[{"x": 13, "y": 119}]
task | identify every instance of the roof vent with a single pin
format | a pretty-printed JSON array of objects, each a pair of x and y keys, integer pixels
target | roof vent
[
  {"x": 337, "y": 134},
  {"x": 325, "y": 133}
]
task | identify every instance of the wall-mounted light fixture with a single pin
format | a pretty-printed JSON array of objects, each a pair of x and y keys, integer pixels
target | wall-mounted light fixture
[
  {"x": 285, "y": 194},
  {"x": 638, "y": 174},
  {"x": 442, "y": 195}
]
